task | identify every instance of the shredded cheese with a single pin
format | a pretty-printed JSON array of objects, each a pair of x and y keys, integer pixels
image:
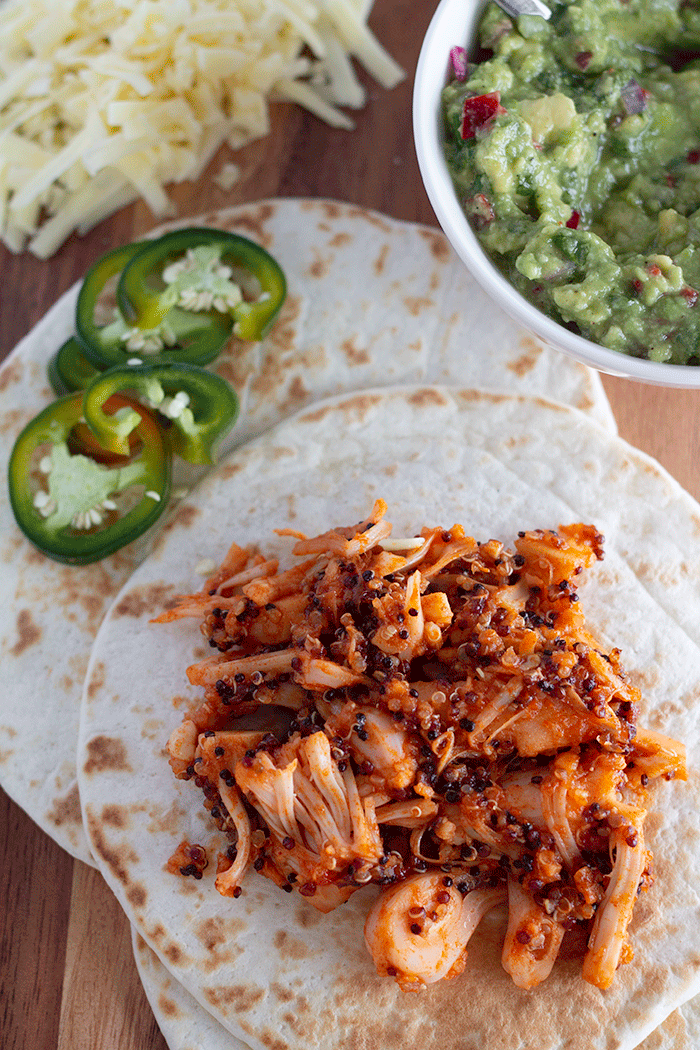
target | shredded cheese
[{"x": 103, "y": 101}]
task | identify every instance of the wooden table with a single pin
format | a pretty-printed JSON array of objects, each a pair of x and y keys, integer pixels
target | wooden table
[{"x": 67, "y": 978}]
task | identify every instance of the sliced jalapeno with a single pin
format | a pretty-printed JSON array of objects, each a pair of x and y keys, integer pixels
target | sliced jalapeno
[
  {"x": 72, "y": 508},
  {"x": 200, "y": 406},
  {"x": 70, "y": 370},
  {"x": 206, "y": 271},
  {"x": 103, "y": 345}
]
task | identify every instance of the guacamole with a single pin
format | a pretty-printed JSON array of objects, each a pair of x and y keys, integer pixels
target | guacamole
[{"x": 574, "y": 147}]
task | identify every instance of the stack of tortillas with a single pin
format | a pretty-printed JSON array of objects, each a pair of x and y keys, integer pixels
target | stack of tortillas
[{"x": 394, "y": 348}]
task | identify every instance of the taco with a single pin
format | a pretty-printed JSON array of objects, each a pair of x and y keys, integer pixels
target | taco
[
  {"x": 371, "y": 301},
  {"x": 266, "y": 964},
  {"x": 455, "y": 737}
]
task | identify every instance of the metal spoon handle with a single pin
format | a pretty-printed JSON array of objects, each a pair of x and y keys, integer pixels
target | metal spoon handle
[{"x": 525, "y": 7}]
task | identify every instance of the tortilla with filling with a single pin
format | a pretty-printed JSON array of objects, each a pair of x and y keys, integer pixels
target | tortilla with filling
[
  {"x": 371, "y": 301},
  {"x": 268, "y": 966}
]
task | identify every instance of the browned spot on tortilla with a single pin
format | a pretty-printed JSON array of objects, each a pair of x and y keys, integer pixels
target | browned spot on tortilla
[
  {"x": 319, "y": 267},
  {"x": 78, "y": 665},
  {"x": 220, "y": 936},
  {"x": 169, "y": 1008},
  {"x": 280, "y": 992},
  {"x": 307, "y": 917},
  {"x": 290, "y": 947},
  {"x": 281, "y": 452},
  {"x": 118, "y": 857},
  {"x": 646, "y": 679},
  {"x": 332, "y": 210},
  {"x": 28, "y": 633},
  {"x": 149, "y": 598},
  {"x": 66, "y": 810},
  {"x": 6, "y": 755},
  {"x": 528, "y": 359},
  {"x": 97, "y": 680},
  {"x": 585, "y": 403},
  {"x": 380, "y": 261},
  {"x": 116, "y": 816},
  {"x": 9, "y": 730},
  {"x": 12, "y": 544},
  {"x": 168, "y": 948},
  {"x": 186, "y": 887},
  {"x": 11, "y": 373},
  {"x": 415, "y": 303},
  {"x": 157, "y": 933},
  {"x": 438, "y": 244},
  {"x": 317, "y": 415},
  {"x": 434, "y": 280},
  {"x": 272, "y": 1041},
  {"x": 297, "y": 392},
  {"x": 353, "y": 354},
  {"x": 391, "y": 470},
  {"x": 93, "y": 605},
  {"x": 240, "y": 996},
  {"x": 282, "y": 377},
  {"x": 228, "y": 470},
  {"x": 649, "y": 468},
  {"x": 106, "y": 753},
  {"x": 215, "y": 931},
  {"x": 645, "y": 909},
  {"x": 293, "y": 1021},
  {"x": 339, "y": 239},
  {"x": 136, "y": 895},
  {"x": 427, "y": 396},
  {"x": 658, "y": 573},
  {"x": 235, "y": 362},
  {"x": 14, "y": 420},
  {"x": 370, "y": 217},
  {"x": 283, "y": 334},
  {"x": 151, "y": 729},
  {"x": 357, "y": 406},
  {"x": 174, "y": 954},
  {"x": 199, "y": 652},
  {"x": 67, "y": 683},
  {"x": 185, "y": 517},
  {"x": 664, "y": 715},
  {"x": 360, "y": 405},
  {"x": 522, "y": 365},
  {"x": 252, "y": 221},
  {"x": 480, "y": 395},
  {"x": 517, "y": 441}
]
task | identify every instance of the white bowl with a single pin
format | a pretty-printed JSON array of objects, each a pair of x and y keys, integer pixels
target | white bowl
[{"x": 454, "y": 23}]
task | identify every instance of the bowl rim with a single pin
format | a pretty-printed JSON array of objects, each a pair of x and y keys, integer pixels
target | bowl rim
[{"x": 427, "y": 135}]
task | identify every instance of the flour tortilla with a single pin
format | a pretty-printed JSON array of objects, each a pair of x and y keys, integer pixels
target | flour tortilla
[
  {"x": 371, "y": 301},
  {"x": 187, "y": 1026},
  {"x": 269, "y": 967},
  {"x": 184, "y": 1023}
]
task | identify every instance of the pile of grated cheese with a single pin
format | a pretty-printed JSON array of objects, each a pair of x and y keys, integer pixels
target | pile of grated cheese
[{"x": 103, "y": 101}]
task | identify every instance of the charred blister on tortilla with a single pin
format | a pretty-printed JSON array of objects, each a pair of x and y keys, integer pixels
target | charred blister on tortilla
[{"x": 456, "y": 735}]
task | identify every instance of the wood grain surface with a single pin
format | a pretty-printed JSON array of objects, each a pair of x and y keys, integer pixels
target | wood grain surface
[{"x": 67, "y": 978}]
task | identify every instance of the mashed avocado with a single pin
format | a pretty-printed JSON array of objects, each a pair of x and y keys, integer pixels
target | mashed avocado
[{"x": 575, "y": 151}]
